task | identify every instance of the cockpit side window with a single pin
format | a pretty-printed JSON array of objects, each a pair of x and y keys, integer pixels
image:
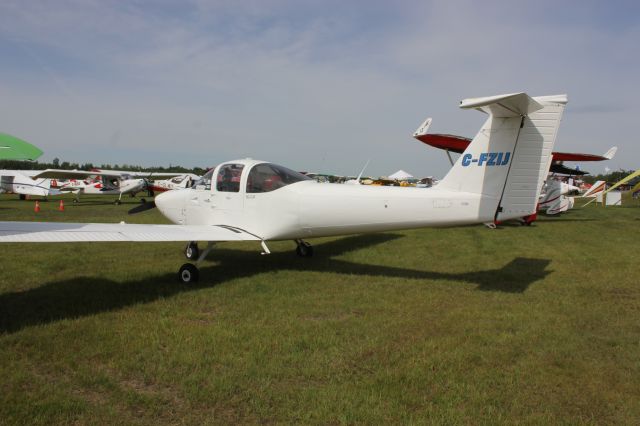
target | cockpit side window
[
  {"x": 229, "y": 177},
  {"x": 268, "y": 177},
  {"x": 204, "y": 183}
]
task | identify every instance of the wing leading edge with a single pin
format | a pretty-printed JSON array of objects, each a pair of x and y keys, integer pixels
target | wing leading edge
[{"x": 52, "y": 232}]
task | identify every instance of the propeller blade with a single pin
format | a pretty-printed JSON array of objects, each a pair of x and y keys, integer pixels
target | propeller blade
[{"x": 143, "y": 207}]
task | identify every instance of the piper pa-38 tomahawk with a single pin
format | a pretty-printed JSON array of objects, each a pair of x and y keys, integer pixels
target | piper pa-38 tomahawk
[{"x": 498, "y": 177}]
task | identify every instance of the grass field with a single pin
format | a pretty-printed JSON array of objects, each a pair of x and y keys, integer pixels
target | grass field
[{"x": 532, "y": 325}]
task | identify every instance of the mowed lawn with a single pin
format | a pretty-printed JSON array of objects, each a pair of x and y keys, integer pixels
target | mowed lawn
[{"x": 531, "y": 325}]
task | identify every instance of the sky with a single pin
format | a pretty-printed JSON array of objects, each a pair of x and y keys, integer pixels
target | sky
[{"x": 321, "y": 86}]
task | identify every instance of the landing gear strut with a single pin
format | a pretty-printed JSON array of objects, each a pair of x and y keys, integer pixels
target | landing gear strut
[
  {"x": 304, "y": 249},
  {"x": 189, "y": 272},
  {"x": 191, "y": 251}
]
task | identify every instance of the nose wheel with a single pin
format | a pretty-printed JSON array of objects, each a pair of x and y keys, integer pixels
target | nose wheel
[
  {"x": 188, "y": 273},
  {"x": 304, "y": 249}
]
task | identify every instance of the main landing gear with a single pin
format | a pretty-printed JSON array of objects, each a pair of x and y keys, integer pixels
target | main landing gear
[
  {"x": 191, "y": 251},
  {"x": 189, "y": 272},
  {"x": 304, "y": 249}
]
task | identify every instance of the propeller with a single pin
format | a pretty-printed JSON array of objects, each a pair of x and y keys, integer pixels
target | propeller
[{"x": 143, "y": 207}]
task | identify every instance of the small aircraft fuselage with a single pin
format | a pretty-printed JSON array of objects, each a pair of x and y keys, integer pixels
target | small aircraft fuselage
[{"x": 275, "y": 203}]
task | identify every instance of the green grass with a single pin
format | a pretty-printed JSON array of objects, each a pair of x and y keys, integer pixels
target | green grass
[{"x": 532, "y": 325}]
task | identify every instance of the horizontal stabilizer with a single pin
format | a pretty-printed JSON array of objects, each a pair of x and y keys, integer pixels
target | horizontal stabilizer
[
  {"x": 424, "y": 128},
  {"x": 595, "y": 189},
  {"x": 503, "y": 106}
]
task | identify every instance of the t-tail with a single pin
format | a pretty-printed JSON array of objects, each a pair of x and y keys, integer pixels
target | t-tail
[{"x": 508, "y": 160}]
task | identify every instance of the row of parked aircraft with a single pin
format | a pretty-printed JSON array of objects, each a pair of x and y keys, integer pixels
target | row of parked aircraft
[
  {"x": 499, "y": 176},
  {"x": 91, "y": 182}
]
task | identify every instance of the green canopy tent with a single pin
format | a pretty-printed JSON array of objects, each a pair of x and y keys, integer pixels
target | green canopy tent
[{"x": 12, "y": 148}]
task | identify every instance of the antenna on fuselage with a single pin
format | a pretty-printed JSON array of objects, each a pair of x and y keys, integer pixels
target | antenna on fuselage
[{"x": 363, "y": 169}]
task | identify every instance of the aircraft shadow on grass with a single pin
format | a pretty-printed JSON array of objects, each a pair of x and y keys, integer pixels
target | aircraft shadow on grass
[{"x": 85, "y": 296}]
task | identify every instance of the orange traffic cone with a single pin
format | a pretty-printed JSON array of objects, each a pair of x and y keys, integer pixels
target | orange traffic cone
[
  {"x": 37, "y": 207},
  {"x": 61, "y": 206}
]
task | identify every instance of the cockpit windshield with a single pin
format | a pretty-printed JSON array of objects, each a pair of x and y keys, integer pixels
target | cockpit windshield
[
  {"x": 204, "y": 183},
  {"x": 229, "y": 177},
  {"x": 267, "y": 177}
]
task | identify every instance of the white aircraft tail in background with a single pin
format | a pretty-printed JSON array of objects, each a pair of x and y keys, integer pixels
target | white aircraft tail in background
[
  {"x": 596, "y": 188},
  {"x": 611, "y": 153},
  {"x": 24, "y": 182}
]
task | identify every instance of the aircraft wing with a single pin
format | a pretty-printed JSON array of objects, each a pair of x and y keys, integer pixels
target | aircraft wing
[
  {"x": 81, "y": 174},
  {"x": 43, "y": 232},
  {"x": 150, "y": 175},
  {"x": 71, "y": 174}
]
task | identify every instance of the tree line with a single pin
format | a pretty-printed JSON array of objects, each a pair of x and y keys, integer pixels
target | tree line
[
  {"x": 611, "y": 177},
  {"x": 65, "y": 165}
]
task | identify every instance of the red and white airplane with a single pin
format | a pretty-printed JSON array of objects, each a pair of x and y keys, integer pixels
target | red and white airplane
[
  {"x": 101, "y": 182},
  {"x": 182, "y": 181},
  {"x": 554, "y": 197},
  {"x": 498, "y": 177}
]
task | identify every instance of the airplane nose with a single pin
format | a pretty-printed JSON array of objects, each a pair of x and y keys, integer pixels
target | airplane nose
[{"x": 171, "y": 204}]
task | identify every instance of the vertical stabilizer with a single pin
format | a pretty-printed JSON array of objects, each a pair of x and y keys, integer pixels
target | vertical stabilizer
[
  {"x": 507, "y": 161},
  {"x": 531, "y": 158}
]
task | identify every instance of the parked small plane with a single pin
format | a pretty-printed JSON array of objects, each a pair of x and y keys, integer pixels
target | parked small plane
[
  {"x": 498, "y": 177},
  {"x": 23, "y": 183},
  {"x": 457, "y": 144},
  {"x": 182, "y": 181},
  {"x": 108, "y": 182},
  {"x": 554, "y": 200}
]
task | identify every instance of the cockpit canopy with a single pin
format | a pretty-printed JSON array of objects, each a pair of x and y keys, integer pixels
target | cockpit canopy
[
  {"x": 267, "y": 177},
  {"x": 262, "y": 177}
]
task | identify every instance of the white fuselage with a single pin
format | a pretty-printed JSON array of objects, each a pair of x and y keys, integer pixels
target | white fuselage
[
  {"x": 21, "y": 182},
  {"x": 311, "y": 209},
  {"x": 123, "y": 186}
]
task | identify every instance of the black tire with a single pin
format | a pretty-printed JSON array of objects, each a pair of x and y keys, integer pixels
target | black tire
[
  {"x": 192, "y": 252},
  {"x": 188, "y": 273},
  {"x": 75, "y": 201},
  {"x": 22, "y": 197},
  {"x": 142, "y": 201},
  {"x": 117, "y": 202},
  {"x": 304, "y": 250}
]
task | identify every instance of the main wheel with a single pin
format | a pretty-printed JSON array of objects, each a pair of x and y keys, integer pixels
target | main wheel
[
  {"x": 304, "y": 250},
  {"x": 192, "y": 252},
  {"x": 117, "y": 202},
  {"x": 188, "y": 273}
]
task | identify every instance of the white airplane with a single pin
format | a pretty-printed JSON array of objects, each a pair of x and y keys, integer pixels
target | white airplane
[
  {"x": 110, "y": 182},
  {"x": 556, "y": 198},
  {"x": 498, "y": 177},
  {"x": 182, "y": 181},
  {"x": 23, "y": 183}
]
